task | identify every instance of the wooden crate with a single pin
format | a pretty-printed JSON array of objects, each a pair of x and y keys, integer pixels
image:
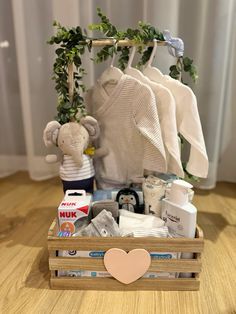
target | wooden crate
[{"x": 151, "y": 244}]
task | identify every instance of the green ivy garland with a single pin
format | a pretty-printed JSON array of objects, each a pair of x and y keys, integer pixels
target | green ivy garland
[
  {"x": 140, "y": 36},
  {"x": 72, "y": 45}
]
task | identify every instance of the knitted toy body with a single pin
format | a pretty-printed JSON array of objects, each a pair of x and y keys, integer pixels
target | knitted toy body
[{"x": 77, "y": 178}]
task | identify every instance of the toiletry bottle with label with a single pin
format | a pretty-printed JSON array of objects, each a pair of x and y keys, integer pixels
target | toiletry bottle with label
[
  {"x": 153, "y": 192},
  {"x": 179, "y": 214}
]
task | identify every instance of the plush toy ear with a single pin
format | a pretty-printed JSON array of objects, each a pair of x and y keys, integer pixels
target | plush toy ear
[
  {"x": 91, "y": 126},
  {"x": 50, "y": 133}
]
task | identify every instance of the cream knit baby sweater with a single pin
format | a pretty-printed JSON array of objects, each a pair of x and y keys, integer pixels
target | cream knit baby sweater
[
  {"x": 188, "y": 121},
  {"x": 130, "y": 130},
  {"x": 166, "y": 108}
]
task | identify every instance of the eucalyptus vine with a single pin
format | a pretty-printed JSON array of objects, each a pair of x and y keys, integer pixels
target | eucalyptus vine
[
  {"x": 184, "y": 64},
  {"x": 72, "y": 44},
  {"x": 140, "y": 36}
]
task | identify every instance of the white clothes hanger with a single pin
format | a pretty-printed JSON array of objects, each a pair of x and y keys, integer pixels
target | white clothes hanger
[
  {"x": 111, "y": 74},
  {"x": 152, "y": 73},
  {"x": 131, "y": 58},
  {"x": 135, "y": 72}
]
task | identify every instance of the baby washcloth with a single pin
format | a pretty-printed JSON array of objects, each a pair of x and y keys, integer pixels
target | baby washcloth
[
  {"x": 103, "y": 225},
  {"x": 131, "y": 221},
  {"x": 161, "y": 232},
  {"x": 109, "y": 205}
]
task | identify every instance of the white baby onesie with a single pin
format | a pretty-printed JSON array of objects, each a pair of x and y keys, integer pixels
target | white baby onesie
[
  {"x": 188, "y": 121},
  {"x": 167, "y": 116},
  {"x": 130, "y": 130}
]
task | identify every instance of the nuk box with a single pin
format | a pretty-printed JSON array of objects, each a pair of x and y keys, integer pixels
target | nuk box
[{"x": 74, "y": 211}]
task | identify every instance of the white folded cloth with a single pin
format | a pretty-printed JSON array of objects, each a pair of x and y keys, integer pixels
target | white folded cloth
[
  {"x": 161, "y": 232},
  {"x": 130, "y": 222}
]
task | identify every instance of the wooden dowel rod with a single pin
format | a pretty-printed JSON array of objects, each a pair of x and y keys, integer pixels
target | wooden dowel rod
[
  {"x": 71, "y": 81},
  {"x": 122, "y": 43}
]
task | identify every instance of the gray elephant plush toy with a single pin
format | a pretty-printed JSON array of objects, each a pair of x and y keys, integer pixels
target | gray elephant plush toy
[{"x": 73, "y": 139}]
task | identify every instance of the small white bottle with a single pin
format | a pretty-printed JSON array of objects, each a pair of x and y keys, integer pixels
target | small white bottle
[
  {"x": 153, "y": 192},
  {"x": 179, "y": 214}
]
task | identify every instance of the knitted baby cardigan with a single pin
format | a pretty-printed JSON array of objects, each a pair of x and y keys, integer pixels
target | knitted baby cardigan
[
  {"x": 166, "y": 109},
  {"x": 130, "y": 130},
  {"x": 188, "y": 122}
]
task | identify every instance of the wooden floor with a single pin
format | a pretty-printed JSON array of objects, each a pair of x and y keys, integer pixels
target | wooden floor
[{"x": 26, "y": 211}]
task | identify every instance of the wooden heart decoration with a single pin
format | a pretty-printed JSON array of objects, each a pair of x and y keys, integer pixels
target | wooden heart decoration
[{"x": 127, "y": 267}]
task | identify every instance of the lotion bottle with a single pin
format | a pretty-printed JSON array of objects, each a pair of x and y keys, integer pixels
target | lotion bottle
[{"x": 179, "y": 214}]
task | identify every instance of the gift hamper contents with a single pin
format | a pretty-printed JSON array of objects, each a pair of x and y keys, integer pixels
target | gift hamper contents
[{"x": 80, "y": 216}]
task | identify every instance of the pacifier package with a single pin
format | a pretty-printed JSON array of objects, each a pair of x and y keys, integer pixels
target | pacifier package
[{"x": 74, "y": 211}]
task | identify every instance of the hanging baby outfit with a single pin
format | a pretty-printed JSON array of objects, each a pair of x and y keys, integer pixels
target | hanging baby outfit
[
  {"x": 188, "y": 121},
  {"x": 130, "y": 130},
  {"x": 167, "y": 116}
]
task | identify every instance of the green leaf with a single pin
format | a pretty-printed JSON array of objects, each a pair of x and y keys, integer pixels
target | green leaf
[
  {"x": 172, "y": 68},
  {"x": 67, "y": 106},
  {"x": 59, "y": 51},
  {"x": 187, "y": 61},
  {"x": 77, "y": 60}
]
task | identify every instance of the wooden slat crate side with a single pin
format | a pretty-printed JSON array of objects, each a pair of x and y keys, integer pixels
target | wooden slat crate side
[
  {"x": 52, "y": 231},
  {"x": 198, "y": 257},
  {"x": 109, "y": 284},
  {"x": 52, "y": 255},
  {"x": 151, "y": 244},
  {"x": 127, "y": 244},
  {"x": 94, "y": 264},
  {"x": 199, "y": 233}
]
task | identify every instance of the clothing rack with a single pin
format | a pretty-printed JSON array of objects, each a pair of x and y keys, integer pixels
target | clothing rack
[
  {"x": 106, "y": 42},
  {"x": 129, "y": 43},
  {"x": 121, "y": 43}
]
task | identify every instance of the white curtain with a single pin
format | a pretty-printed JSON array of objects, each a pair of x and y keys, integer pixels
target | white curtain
[{"x": 28, "y": 99}]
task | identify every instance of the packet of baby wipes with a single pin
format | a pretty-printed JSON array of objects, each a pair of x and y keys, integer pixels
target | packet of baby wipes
[
  {"x": 73, "y": 253},
  {"x": 89, "y": 273}
]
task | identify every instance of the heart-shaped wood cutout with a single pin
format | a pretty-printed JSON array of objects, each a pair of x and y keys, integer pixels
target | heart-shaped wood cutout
[{"x": 127, "y": 267}]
